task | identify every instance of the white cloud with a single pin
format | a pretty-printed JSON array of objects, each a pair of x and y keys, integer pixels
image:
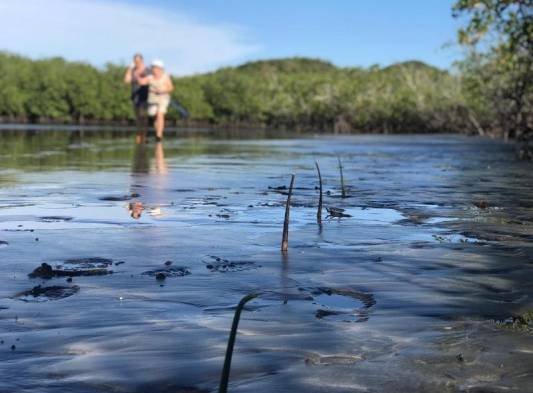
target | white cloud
[{"x": 98, "y": 32}]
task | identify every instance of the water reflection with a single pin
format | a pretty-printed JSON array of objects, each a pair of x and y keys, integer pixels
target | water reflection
[
  {"x": 402, "y": 248},
  {"x": 147, "y": 186},
  {"x": 141, "y": 163}
]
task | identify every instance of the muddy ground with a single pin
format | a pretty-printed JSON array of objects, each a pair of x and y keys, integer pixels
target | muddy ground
[{"x": 410, "y": 291}]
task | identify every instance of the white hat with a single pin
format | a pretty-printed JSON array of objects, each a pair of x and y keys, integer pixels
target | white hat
[{"x": 158, "y": 63}]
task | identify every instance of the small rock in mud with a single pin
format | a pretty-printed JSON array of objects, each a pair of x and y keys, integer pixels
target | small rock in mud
[
  {"x": 69, "y": 279},
  {"x": 3, "y": 244},
  {"x": 43, "y": 271},
  {"x": 217, "y": 264},
  {"x": 42, "y": 294},
  {"x": 119, "y": 263},
  {"x": 13, "y": 347},
  {"x": 173, "y": 271},
  {"x": 168, "y": 263}
]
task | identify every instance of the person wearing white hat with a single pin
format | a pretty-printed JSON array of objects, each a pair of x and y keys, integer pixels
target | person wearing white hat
[{"x": 160, "y": 87}]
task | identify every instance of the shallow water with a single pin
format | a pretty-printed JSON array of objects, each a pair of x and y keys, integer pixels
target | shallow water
[{"x": 398, "y": 297}]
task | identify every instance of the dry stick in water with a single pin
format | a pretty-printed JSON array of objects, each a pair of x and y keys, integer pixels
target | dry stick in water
[
  {"x": 285, "y": 239},
  {"x": 343, "y": 189},
  {"x": 224, "y": 379},
  {"x": 319, "y": 211}
]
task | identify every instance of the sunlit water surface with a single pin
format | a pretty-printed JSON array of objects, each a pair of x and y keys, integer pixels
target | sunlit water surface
[{"x": 400, "y": 296}]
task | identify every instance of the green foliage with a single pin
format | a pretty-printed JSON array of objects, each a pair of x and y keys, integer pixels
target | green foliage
[
  {"x": 296, "y": 93},
  {"x": 497, "y": 73},
  {"x": 520, "y": 323}
]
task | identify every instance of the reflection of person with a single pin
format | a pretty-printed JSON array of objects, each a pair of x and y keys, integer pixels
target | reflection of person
[
  {"x": 160, "y": 163},
  {"x": 139, "y": 93},
  {"x": 141, "y": 163},
  {"x": 146, "y": 187},
  {"x": 159, "y": 88},
  {"x": 135, "y": 209}
]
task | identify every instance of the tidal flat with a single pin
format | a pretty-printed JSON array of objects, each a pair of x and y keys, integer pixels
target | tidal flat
[{"x": 415, "y": 287}]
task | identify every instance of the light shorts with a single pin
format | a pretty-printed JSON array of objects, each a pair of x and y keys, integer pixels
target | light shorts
[{"x": 160, "y": 106}]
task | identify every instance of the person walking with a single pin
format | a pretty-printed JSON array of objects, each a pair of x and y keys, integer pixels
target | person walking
[
  {"x": 139, "y": 94},
  {"x": 159, "y": 88}
]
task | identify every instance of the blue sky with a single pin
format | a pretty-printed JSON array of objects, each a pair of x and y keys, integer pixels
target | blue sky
[{"x": 195, "y": 36}]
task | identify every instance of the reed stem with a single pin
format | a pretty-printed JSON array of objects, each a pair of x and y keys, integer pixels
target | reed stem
[
  {"x": 343, "y": 189},
  {"x": 224, "y": 379},
  {"x": 319, "y": 211},
  {"x": 285, "y": 238}
]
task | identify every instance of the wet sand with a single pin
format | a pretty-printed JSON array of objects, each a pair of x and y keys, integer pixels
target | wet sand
[{"x": 400, "y": 296}]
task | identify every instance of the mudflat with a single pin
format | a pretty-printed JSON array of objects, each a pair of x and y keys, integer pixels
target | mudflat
[{"x": 416, "y": 282}]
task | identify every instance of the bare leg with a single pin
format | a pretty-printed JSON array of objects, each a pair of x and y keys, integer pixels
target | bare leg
[{"x": 159, "y": 124}]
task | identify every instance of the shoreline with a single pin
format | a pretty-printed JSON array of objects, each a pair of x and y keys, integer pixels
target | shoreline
[{"x": 209, "y": 128}]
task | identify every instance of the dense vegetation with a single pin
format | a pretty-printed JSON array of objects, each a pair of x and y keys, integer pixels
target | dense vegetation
[
  {"x": 297, "y": 92},
  {"x": 497, "y": 73},
  {"x": 491, "y": 92}
]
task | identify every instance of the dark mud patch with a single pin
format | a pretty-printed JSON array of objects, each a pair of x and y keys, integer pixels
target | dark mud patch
[
  {"x": 3, "y": 244},
  {"x": 171, "y": 271},
  {"x": 119, "y": 198},
  {"x": 343, "y": 305},
  {"x": 54, "y": 219},
  {"x": 218, "y": 264},
  {"x": 336, "y": 212},
  {"x": 44, "y": 294},
  {"x": 74, "y": 267},
  {"x": 284, "y": 190}
]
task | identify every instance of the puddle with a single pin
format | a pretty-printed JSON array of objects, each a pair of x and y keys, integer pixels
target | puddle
[
  {"x": 343, "y": 305},
  {"x": 45, "y": 294},
  {"x": 454, "y": 238}
]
